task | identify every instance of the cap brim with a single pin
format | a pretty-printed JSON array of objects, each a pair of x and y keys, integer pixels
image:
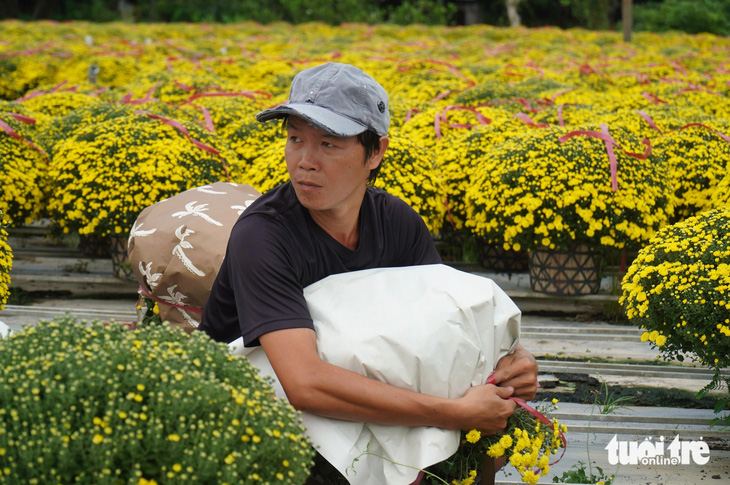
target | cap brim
[{"x": 318, "y": 116}]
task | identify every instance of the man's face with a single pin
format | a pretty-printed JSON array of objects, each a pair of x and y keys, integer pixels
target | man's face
[{"x": 329, "y": 173}]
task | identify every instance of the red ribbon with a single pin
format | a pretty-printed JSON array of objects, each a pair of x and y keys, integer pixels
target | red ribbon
[
  {"x": 648, "y": 119},
  {"x": 169, "y": 60},
  {"x": 454, "y": 70},
  {"x": 127, "y": 99},
  {"x": 441, "y": 96},
  {"x": 523, "y": 101},
  {"x": 654, "y": 98},
  {"x": 10, "y": 131},
  {"x": 560, "y": 115},
  {"x": 647, "y": 151},
  {"x": 608, "y": 140},
  {"x": 564, "y": 91},
  {"x": 641, "y": 78},
  {"x": 181, "y": 307},
  {"x": 508, "y": 69},
  {"x": 247, "y": 94},
  {"x": 410, "y": 113},
  {"x": 56, "y": 88},
  {"x": 724, "y": 137},
  {"x": 561, "y": 122},
  {"x": 179, "y": 127},
  {"x": 679, "y": 68},
  {"x": 441, "y": 118},
  {"x": 22, "y": 118},
  {"x": 651, "y": 123},
  {"x": 208, "y": 123},
  {"x": 28, "y": 52},
  {"x": 527, "y": 120},
  {"x": 587, "y": 69},
  {"x": 183, "y": 86}
]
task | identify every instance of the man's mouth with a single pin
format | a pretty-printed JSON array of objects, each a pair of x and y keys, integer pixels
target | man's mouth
[{"x": 306, "y": 185}]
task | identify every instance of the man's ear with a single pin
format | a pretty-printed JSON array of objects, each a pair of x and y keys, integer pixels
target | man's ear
[{"x": 377, "y": 156}]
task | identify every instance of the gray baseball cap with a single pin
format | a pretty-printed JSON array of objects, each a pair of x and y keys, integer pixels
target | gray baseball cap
[{"x": 338, "y": 98}]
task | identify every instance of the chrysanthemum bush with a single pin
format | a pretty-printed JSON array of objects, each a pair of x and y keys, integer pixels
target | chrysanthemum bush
[
  {"x": 535, "y": 190},
  {"x": 527, "y": 444},
  {"x": 698, "y": 155},
  {"x": 677, "y": 290},
  {"x": 221, "y": 109},
  {"x": 49, "y": 104},
  {"x": 408, "y": 171},
  {"x": 6, "y": 264},
  {"x": 23, "y": 171},
  {"x": 105, "y": 174},
  {"x": 516, "y": 96},
  {"x": 721, "y": 196},
  {"x": 23, "y": 72},
  {"x": 98, "y": 403},
  {"x": 177, "y": 85},
  {"x": 254, "y": 144},
  {"x": 465, "y": 151},
  {"x": 60, "y": 128}
]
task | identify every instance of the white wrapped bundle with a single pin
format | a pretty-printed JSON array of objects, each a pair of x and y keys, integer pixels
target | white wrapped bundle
[{"x": 430, "y": 329}]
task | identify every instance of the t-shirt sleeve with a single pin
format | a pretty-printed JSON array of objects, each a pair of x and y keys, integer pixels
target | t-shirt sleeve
[{"x": 257, "y": 285}]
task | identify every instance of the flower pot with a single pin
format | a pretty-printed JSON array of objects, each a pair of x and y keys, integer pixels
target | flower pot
[
  {"x": 120, "y": 262},
  {"x": 564, "y": 272},
  {"x": 94, "y": 246},
  {"x": 496, "y": 258}
]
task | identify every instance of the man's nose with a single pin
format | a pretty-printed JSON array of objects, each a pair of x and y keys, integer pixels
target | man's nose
[{"x": 307, "y": 160}]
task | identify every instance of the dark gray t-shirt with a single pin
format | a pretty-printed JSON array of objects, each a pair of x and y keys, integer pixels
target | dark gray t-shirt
[{"x": 276, "y": 250}]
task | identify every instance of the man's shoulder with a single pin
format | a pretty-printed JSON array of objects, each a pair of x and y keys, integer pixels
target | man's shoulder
[
  {"x": 274, "y": 203},
  {"x": 275, "y": 214},
  {"x": 389, "y": 204}
]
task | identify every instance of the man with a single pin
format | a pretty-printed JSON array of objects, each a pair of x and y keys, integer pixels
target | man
[{"x": 328, "y": 220}]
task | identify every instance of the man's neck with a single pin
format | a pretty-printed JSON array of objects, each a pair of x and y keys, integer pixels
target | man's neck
[{"x": 344, "y": 228}]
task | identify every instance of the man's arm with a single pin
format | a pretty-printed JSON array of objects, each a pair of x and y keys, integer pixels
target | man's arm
[{"x": 320, "y": 388}]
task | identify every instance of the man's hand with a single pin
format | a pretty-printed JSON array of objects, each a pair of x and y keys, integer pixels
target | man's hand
[
  {"x": 487, "y": 409},
  {"x": 518, "y": 370}
]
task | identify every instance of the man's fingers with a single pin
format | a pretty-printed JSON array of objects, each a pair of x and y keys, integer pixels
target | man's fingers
[
  {"x": 505, "y": 392},
  {"x": 501, "y": 375}
]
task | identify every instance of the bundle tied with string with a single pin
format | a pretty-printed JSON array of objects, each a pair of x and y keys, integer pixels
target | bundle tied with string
[{"x": 177, "y": 245}]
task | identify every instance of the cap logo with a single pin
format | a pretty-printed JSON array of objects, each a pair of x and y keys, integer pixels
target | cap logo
[{"x": 381, "y": 106}]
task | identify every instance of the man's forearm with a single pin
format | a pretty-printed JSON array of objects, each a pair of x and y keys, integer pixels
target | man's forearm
[
  {"x": 327, "y": 390},
  {"x": 342, "y": 394}
]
